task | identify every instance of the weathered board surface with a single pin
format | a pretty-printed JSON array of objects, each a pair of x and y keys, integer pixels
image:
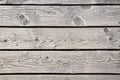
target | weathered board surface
[
  {"x": 59, "y": 38},
  {"x": 59, "y": 62},
  {"x": 59, "y": 1},
  {"x": 59, "y": 15},
  {"x": 60, "y": 77}
]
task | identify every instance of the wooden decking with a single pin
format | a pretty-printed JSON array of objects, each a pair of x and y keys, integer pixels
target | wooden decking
[{"x": 59, "y": 39}]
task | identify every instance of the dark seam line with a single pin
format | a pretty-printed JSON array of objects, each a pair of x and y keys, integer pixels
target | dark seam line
[
  {"x": 59, "y": 26},
  {"x": 59, "y": 49},
  {"x": 57, "y": 4},
  {"x": 59, "y": 73}
]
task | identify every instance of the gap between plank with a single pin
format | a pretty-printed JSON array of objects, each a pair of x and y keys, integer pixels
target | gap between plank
[
  {"x": 59, "y": 49},
  {"x": 59, "y": 73},
  {"x": 60, "y": 4},
  {"x": 59, "y": 26}
]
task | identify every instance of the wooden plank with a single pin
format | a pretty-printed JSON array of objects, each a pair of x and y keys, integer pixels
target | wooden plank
[
  {"x": 59, "y": 2},
  {"x": 59, "y": 62},
  {"x": 59, "y": 38},
  {"x": 60, "y": 77},
  {"x": 59, "y": 15}
]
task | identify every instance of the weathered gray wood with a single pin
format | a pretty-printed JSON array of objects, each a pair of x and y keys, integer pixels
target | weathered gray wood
[
  {"x": 60, "y": 77},
  {"x": 59, "y": 15},
  {"x": 59, "y": 1},
  {"x": 59, "y": 38},
  {"x": 59, "y": 62}
]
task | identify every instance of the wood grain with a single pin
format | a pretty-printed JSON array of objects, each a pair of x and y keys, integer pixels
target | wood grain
[
  {"x": 59, "y": 38},
  {"x": 59, "y": 1},
  {"x": 59, "y": 62},
  {"x": 59, "y": 15},
  {"x": 60, "y": 77}
]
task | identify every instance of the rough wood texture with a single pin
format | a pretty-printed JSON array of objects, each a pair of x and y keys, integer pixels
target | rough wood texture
[
  {"x": 59, "y": 62},
  {"x": 59, "y": 38},
  {"x": 59, "y": 1},
  {"x": 60, "y": 77},
  {"x": 59, "y": 15}
]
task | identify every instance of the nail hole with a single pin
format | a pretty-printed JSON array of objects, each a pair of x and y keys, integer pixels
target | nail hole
[
  {"x": 5, "y": 40},
  {"x": 110, "y": 38},
  {"x": 36, "y": 39},
  {"x": 47, "y": 57}
]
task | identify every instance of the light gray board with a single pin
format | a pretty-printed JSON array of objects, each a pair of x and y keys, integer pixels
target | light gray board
[
  {"x": 59, "y": 1},
  {"x": 59, "y": 15},
  {"x": 60, "y": 62},
  {"x": 59, "y": 38},
  {"x": 60, "y": 77}
]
